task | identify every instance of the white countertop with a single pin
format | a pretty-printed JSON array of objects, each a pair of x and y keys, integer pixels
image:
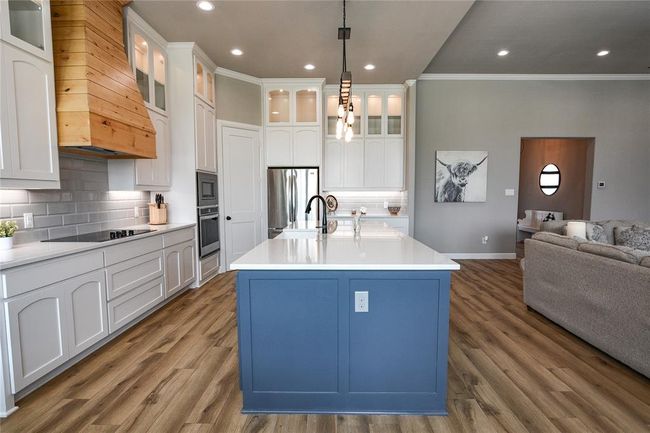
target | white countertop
[
  {"x": 23, "y": 254},
  {"x": 376, "y": 247},
  {"x": 348, "y": 214}
]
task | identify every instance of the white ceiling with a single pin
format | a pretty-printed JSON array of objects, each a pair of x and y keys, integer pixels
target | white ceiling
[
  {"x": 549, "y": 37},
  {"x": 279, "y": 37}
]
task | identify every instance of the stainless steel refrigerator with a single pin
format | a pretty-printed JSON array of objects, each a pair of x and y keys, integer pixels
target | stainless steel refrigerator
[{"x": 289, "y": 190}]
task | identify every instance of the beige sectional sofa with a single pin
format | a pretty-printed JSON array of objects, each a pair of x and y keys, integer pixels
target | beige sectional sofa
[{"x": 598, "y": 291}]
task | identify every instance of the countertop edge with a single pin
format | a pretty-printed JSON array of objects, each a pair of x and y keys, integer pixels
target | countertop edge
[
  {"x": 344, "y": 267},
  {"x": 88, "y": 246}
]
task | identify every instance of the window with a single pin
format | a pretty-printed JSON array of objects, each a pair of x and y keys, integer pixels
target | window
[{"x": 549, "y": 179}]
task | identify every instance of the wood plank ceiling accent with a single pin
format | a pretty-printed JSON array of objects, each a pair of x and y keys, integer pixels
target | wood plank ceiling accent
[{"x": 100, "y": 110}]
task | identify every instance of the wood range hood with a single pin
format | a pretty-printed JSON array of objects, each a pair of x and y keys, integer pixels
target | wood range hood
[{"x": 100, "y": 111}]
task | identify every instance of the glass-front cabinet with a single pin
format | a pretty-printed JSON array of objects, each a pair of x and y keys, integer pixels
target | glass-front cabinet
[
  {"x": 149, "y": 62},
  {"x": 293, "y": 104},
  {"x": 159, "y": 78},
  {"x": 375, "y": 103},
  {"x": 26, "y": 24},
  {"x": 279, "y": 106},
  {"x": 203, "y": 81},
  {"x": 141, "y": 64},
  {"x": 332, "y": 114},
  {"x": 394, "y": 114}
]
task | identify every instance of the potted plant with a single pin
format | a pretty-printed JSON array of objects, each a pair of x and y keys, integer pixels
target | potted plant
[{"x": 7, "y": 230}]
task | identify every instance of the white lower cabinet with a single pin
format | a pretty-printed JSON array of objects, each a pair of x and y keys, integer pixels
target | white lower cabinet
[
  {"x": 179, "y": 267},
  {"x": 48, "y": 326},
  {"x": 85, "y": 299},
  {"x": 53, "y": 314},
  {"x": 36, "y": 331},
  {"x": 124, "y": 309}
]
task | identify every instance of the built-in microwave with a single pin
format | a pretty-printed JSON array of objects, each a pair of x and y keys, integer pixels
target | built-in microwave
[{"x": 206, "y": 189}]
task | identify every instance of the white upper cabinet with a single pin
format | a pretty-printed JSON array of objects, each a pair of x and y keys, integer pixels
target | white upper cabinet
[
  {"x": 332, "y": 114},
  {"x": 203, "y": 81},
  {"x": 206, "y": 145},
  {"x": 374, "y": 160},
  {"x": 26, "y": 25},
  {"x": 148, "y": 59},
  {"x": 293, "y": 132},
  {"x": 149, "y": 62},
  {"x": 293, "y": 103},
  {"x": 278, "y": 107},
  {"x": 29, "y": 153}
]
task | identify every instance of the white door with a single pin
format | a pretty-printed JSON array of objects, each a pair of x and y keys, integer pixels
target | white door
[
  {"x": 394, "y": 163},
  {"x": 242, "y": 208},
  {"x": 32, "y": 140},
  {"x": 354, "y": 163},
  {"x": 278, "y": 147},
  {"x": 306, "y": 146},
  {"x": 374, "y": 163},
  {"x": 36, "y": 331},
  {"x": 333, "y": 164},
  {"x": 86, "y": 309}
]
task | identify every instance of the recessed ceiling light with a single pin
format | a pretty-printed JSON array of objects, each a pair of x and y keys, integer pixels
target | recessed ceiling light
[
  {"x": 205, "y": 5},
  {"x": 310, "y": 67},
  {"x": 503, "y": 53},
  {"x": 236, "y": 52},
  {"x": 369, "y": 67},
  {"x": 602, "y": 53}
]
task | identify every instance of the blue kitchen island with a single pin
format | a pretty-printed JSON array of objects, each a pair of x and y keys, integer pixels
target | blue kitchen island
[{"x": 343, "y": 323}]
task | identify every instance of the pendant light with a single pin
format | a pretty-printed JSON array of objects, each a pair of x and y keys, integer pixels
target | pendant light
[{"x": 345, "y": 110}]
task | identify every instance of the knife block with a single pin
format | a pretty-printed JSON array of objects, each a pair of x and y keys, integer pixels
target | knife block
[{"x": 157, "y": 215}]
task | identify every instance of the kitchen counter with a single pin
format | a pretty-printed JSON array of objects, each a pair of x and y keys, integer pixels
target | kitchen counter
[
  {"x": 343, "y": 322},
  {"x": 376, "y": 247},
  {"x": 23, "y": 254}
]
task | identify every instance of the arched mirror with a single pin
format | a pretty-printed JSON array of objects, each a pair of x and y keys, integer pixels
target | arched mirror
[{"x": 549, "y": 179}]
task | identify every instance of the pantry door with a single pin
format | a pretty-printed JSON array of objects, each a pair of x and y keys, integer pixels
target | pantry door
[{"x": 242, "y": 186}]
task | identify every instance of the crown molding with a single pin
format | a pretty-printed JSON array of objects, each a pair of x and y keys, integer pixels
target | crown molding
[
  {"x": 306, "y": 81},
  {"x": 237, "y": 75},
  {"x": 409, "y": 83},
  {"x": 537, "y": 77}
]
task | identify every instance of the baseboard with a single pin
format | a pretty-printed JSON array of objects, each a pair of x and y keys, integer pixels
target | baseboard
[
  {"x": 482, "y": 256},
  {"x": 5, "y": 414}
]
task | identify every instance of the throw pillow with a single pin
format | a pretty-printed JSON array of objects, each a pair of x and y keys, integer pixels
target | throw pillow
[
  {"x": 596, "y": 233},
  {"x": 635, "y": 237}
]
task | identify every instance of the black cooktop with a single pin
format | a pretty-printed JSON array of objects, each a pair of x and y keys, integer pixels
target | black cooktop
[{"x": 103, "y": 236}]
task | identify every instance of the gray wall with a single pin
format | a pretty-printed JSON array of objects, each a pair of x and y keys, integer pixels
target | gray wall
[
  {"x": 494, "y": 116},
  {"x": 82, "y": 205},
  {"x": 238, "y": 101}
]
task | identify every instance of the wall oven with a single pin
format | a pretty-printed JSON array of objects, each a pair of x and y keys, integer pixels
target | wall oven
[
  {"x": 206, "y": 189},
  {"x": 208, "y": 230}
]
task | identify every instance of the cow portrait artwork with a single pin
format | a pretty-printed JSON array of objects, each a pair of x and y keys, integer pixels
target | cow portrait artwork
[{"x": 461, "y": 176}]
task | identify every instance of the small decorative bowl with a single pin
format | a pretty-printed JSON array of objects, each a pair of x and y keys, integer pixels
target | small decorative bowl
[{"x": 394, "y": 210}]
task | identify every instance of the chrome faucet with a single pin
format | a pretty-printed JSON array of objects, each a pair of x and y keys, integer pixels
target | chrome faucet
[{"x": 324, "y": 218}]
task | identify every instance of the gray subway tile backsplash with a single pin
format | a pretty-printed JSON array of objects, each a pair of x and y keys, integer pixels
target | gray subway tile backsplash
[{"x": 82, "y": 205}]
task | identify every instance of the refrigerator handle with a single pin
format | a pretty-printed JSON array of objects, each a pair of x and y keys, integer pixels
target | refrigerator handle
[{"x": 294, "y": 197}]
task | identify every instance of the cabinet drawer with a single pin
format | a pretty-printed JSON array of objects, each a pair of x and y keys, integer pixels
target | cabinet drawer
[
  {"x": 129, "y": 250},
  {"x": 178, "y": 236},
  {"x": 127, "y": 307},
  {"x": 29, "y": 277},
  {"x": 126, "y": 276},
  {"x": 209, "y": 266}
]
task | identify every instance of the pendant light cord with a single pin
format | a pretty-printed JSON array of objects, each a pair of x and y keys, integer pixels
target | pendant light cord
[{"x": 345, "y": 66}]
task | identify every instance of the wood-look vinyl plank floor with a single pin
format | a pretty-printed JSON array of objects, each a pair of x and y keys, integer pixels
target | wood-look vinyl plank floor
[{"x": 510, "y": 370}]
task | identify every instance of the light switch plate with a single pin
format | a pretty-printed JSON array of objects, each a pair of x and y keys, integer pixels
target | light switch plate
[
  {"x": 360, "y": 302},
  {"x": 510, "y": 192}
]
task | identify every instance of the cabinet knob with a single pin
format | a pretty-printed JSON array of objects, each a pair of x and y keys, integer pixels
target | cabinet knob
[{"x": 228, "y": 218}]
